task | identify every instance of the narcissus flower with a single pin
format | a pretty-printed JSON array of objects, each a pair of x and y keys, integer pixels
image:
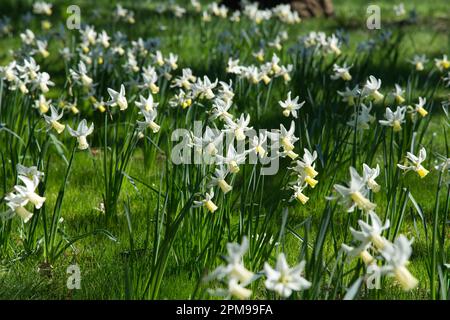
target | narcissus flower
[
  {"x": 394, "y": 119},
  {"x": 118, "y": 98},
  {"x": 52, "y": 120},
  {"x": 146, "y": 104},
  {"x": 291, "y": 106},
  {"x": 81, "y": 133},
  {"x": 398, "y": 94},
  {"x": 442, "y": 64},
  {"x": 369, "y": 176},
  {"x": 258, "y": 143},
  {"x": 149, "y": 121},
  {"x": 416, "y": 163},
  {"x": 22, "y": 195},
  {"x": 341, "y": 72},
  {"x": 42, "y": 104},
  {"x": 81, "y": 76},
  {"x": 298, "y": 193},
  {"x": 419, "y": 107},
  {"x": 219, "y": 179},
  {"x": 419, "y": 61},
  {"x": 283, "y": 279},
  {"x": 349, "y": 95},
  {"x": 397, "y": 255},
  {"x": 371, "y": 89},
  {"x": 239, "y": 127},
  {"x": 233, "y": 159},
  {"x": 355, "y": 195},
  {"x": 203, "y": 88},
  {"x": 207, "y": 202},
  {"x": 362, "y": 118}
]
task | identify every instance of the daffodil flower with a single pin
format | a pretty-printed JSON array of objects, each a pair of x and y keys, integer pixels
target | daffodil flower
[
  {"x": 355, "y": 195},
  {"x": 398, "y": 94},
  {"x": 349, "y": 95},
  {"x": 233, "y": 66},
  {"x": 419, "y": 107},
  {"x": 362, "y": 118},
  {"x": 149, "y": 121},
  {"x": 397, "y": 256},
  {"x": 371, "y": 89},
  {"x": 208, "y": 143},
  {"x": 287, "y": 137},
  {"x": 419, "y": 61},
  {"x": 219, "y": 180},
  {"x": 257, "y": 144},
  {"x": 291, "y": 106},
  {"x": 118, "y": 98},
  {"x": 341, "y": 72},
  {"x": 207, "y": 202},
  {"x": 369, "y": 176},
  {"x": 42, "y": 104},
  {"x": 29, "y": 172},
  {"x": 52, "y": 120},
  {"x": 306, "y": 164},
  {"x": 298, "y": 193},
  {"x": 42, "y": 7},
  {"x": 185, "y": 80},
  {"x": 81, "y": 133},
  {"x": 146, "y": 104},
  {"x": 42, "y": 81},
  {"x": 81, "y": 76},
  {"x": 442, "y": 64},
  {"x": 150, "y": 77},
  {"x": 283, "y": 279},
  {"x": 394, "y": 119},
  {"x": 203, "y": 88},
  {"x": 239, "y": 127},
  {"x": 416, "y": 163},
  {"x": 233, "y": 159}
]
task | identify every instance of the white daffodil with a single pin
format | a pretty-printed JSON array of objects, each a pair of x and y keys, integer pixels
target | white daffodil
[
  {"x": 203, "y": 88},
  {"x": 81, "y": 76},
  {"x": 306, "y": 164},
  {"x": 42, "y": 7},
  {"x": 341, "y": 72},
  {"x": 333, "y": 44},
  {"x": 9, "y": 72},
  {"x": 16, "y": 201},
  {"x": 146, "y": 104},
  {"x": 349, "y": 95},
  {"x": 442, "y": 64},
  {"x": 220, "y": 109},
  {"x": 172, "y": 61},
  {"x": 369, "y": 176},
  {"x": 416, "y": 163},
  {"x": 419, "y": 107},
  {"x": 149, "y": 121},
  {"x": 355, "y": 195},
  {"x": 42, "y": 104},
  {"x": 371, "y": 233},
  {"x": 29, "y": 69},
  {"x": 291, "y": 106},
  {"x": 118, "y": 98},
  {"x": 182, "y": 99},
  {"x": 233, "y": 159},
  {"x": 207, "y": 202},
  {"x": 52, "y": 120},
  {"x": 150, "y": 78},
  {"x": 285, "y": 73},
  {"x": 397, "y": 256},
  {"x": 103, "y": 38},
  {"x": 226, "y": 91},
  {"x": 258, "y": 143},
  {"x": 28, "y": 37},
  {"x": 298, "y": 193},
  {"x": 42, "y": 48},
  {"x": 42, "y": 82},
  {"x": 208, "y": 143},
  {"x": 30, "y": 172},
  {"x": 371, "y": 89},
  {"x": 233, "y": 66},
  {"x": 394, "y": 119},
  {"x": 239, "y": 127},
  {"x": 418, "y": 61},
  {"x": 283, "y": 279},
  {"x": 287, "y": 137},
  {"x": 219, "y": 179},
  {"x": 81, "y": 133},
  {"x": 362, "y": 118},
  {"x": 185, "y": 80},
  {"x": 398, "y": 94}
]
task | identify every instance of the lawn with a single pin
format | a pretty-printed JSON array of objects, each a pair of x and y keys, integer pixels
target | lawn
[{"x": 139, "y": 226}]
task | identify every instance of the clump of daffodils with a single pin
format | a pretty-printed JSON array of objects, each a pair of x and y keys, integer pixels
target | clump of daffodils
[
  {"x": 24, "y": 194},
  {"x": 234, "y": 275},
  {"x": 381, "y": 256},
  {"x": 305, "y": 174}
]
